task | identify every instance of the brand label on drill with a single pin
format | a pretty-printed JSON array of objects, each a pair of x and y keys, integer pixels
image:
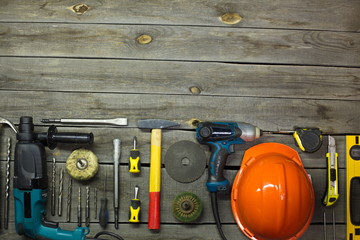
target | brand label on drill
[{"x": 44, "y": 194}]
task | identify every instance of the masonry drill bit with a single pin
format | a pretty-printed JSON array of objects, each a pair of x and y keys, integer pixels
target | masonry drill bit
[
  {"x": 116, "y": 143},
  {"x": 60, "y": 197},
  {"x": 79, "y": 209},
  {"x": 7, "y": 186},
  {"x": 95, "y": 202},
  {"x": 53, "y": 187},
  {"x": 68, "y": 206},
  {"x": 87, "y": 207}
]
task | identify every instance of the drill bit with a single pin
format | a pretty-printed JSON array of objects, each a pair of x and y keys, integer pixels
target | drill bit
[
  {"x": 324, "y": 221},
  {"x": 87, "y": 207},
  {"x": 68, "y": 206},
  {"x": 7, "y": 186},
  {"x": 79, "y": 209},
  {"x": 334, "y": 225},
  {"x": 95, "y": 202},
  {"x": 53, "y": 187},
  {"x": 116, "y": 143},
  {"x": 60, "y": 197}
]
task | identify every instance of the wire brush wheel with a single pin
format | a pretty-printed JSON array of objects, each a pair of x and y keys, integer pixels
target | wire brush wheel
[
  {"x": 82, "y": 164},
  {"x": 187, "y": 207}
]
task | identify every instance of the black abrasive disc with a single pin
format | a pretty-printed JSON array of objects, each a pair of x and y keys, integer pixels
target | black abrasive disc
[{"x": 185, "y": 161}]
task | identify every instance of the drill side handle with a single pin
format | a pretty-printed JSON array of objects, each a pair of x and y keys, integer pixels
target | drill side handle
[{"x": 216, "y": 180}]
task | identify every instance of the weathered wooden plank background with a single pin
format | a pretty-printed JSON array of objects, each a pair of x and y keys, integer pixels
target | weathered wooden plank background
[{"x": 286, "y": 63}]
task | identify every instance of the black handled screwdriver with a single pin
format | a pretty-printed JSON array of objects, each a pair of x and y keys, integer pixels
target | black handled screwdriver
[{"x": 104, "y": 213}]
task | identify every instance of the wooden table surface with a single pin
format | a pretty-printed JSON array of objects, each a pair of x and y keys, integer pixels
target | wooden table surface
[{"x": 286, "y": 63}]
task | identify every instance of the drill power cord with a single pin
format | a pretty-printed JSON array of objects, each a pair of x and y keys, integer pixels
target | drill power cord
[
  {"x": 114, "y": 235},
  {"x": 214, "y": 206}
]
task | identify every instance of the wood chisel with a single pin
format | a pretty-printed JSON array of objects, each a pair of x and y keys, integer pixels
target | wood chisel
[
  {"x": 134, "y": 160},
  {"x": 353, "y": 187},
  {"x": 332, "y": 189}
]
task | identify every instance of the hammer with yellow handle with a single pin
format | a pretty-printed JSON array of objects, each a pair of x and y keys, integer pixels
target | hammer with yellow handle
[{"x": 156, "y": 126}]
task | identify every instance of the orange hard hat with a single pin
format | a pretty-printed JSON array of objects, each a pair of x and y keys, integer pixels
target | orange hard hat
[{"x": 272, "y": 196}]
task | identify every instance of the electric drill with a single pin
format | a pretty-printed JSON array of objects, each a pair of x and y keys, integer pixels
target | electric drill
[
  {"x": 31, "y": 181},
  {"x": 222, "y": 137}
]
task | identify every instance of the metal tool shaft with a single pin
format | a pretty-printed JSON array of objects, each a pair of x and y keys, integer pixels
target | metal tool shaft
[
  {"x": 117, "y": 153},
  {"x": 60, "y": 197},
  {"x": 324, "y": 219},
  {"x": 87, "y": 207},
  {"x": 79, "y": 209},
  {"x": 95, "y": 203},
  {"x": 7, "y": 185},
  {"x": 7, "y": 122},
  {"x": 334, "y": 225},
  {"x": 113, "y": 121},
  {"x": 68, "y": 206},
  {"x": 53, "y": 191}
]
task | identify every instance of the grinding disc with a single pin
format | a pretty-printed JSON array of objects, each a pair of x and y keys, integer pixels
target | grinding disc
[{"x": 185, "y": 161}]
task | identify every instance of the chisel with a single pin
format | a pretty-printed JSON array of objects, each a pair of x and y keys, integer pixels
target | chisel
[
  {"x": 117, "y": 153},
  {"x": 113, "y": 121}
]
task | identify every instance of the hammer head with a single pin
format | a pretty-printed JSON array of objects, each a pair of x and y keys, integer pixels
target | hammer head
[{"x": 156, "y": 124}]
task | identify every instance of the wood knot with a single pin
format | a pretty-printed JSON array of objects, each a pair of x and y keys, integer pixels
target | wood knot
[
  {"x": 195, "y": 90},
  {"x": 144, "y": 39},
  {"x": 79, "y": 8},
  {"x": 231, "y": 18}
]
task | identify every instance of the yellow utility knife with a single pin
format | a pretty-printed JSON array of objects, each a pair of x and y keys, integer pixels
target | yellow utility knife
[{"x": 332, "y": 189}]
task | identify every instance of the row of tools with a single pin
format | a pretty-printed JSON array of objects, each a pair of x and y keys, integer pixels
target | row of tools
[
  {"x": 82, "y": 165},
  {"x": 103, "y": 214}
]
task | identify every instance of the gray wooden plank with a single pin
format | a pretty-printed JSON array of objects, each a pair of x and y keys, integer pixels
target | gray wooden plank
[
  {"x": 295, "y": 14},
  {"x": 164, "y": 77},
  {"x": 188, "y": 232},
  {"x": 268, "y": 114},
  {"x": 103, "y": 146},
  {"x": 226, "y": 44}
]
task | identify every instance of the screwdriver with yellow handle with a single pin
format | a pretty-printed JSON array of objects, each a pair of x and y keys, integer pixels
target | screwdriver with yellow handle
[
  {"x": 134, "y": 211},
  {"x": 134, "y": 160}
]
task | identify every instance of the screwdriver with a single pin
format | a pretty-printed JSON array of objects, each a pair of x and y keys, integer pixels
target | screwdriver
[
  {"x": 134, "y": 161},
  {"x": 134, "y": 212},
  {"x": 104, "y": 213}
]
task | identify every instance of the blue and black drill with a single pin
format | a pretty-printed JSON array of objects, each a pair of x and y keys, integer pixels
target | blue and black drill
[
  {"x": 31, "y": 182},
  {"x": 222, "y": 137}
]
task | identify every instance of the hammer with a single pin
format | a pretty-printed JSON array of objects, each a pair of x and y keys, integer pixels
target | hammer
[{"x": 155, "y": 167}]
